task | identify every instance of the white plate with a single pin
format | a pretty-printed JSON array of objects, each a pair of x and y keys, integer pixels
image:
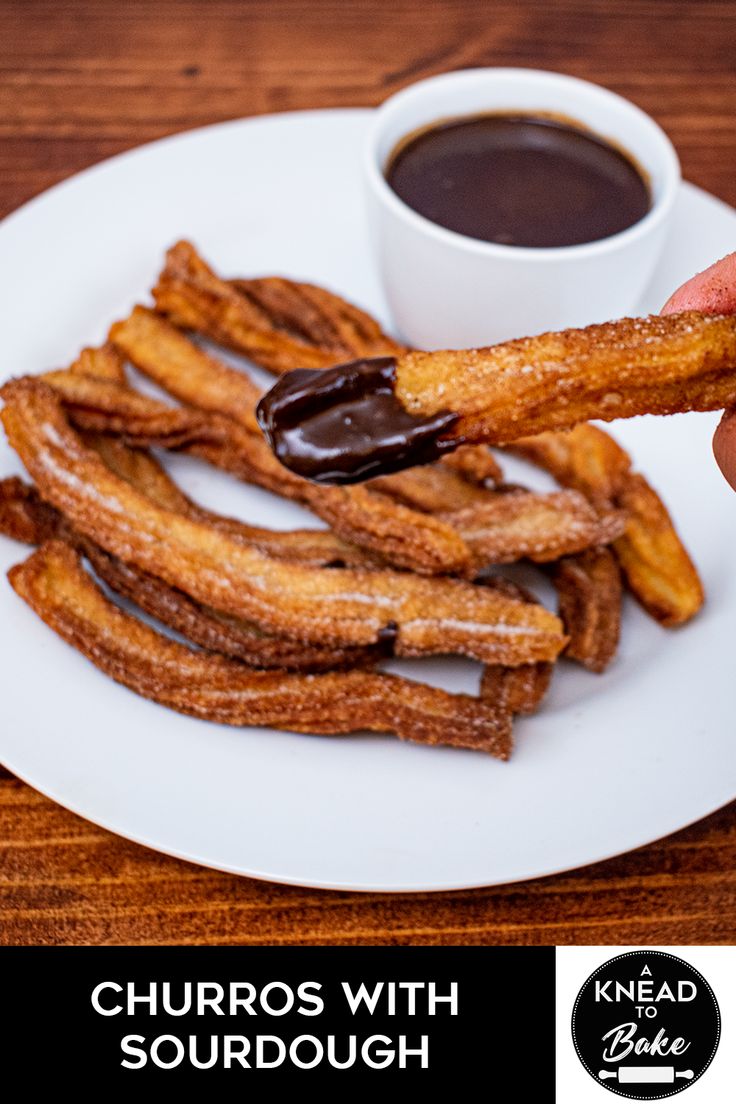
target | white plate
[{"x": 610, "y": 763}]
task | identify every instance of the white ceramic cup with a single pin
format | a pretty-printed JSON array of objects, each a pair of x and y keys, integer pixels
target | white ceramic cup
[{"x": 446, "y": 290}]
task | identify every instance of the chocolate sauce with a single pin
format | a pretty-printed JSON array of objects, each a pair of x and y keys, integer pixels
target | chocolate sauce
[
  {"x": 515, "y": 179},
  {"x": 345, "y": 424}
]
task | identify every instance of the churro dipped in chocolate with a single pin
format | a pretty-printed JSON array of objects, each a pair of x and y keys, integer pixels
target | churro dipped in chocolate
[{"x": 367, "y": 417}]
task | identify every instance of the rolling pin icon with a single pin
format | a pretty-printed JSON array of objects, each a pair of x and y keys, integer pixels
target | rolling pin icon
[{"x": 642, "y": 1075}]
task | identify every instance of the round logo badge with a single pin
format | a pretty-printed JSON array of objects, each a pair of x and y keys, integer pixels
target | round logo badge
[{"x": 646, "y": 1025}]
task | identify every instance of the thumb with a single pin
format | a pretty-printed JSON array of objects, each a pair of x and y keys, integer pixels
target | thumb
[{"x": 724, "y": 447}]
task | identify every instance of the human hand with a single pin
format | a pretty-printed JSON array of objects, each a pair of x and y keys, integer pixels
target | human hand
[{"x": 714, "y": 292}]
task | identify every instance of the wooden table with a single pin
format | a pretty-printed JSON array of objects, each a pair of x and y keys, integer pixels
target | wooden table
[{"x": 83, "y": 80}]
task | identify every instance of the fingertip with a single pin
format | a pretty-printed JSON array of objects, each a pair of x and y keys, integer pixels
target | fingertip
[{"x": 712, "y": 291}]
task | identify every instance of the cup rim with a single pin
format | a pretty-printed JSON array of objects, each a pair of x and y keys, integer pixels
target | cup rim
[{"x": 661, "y": 205}]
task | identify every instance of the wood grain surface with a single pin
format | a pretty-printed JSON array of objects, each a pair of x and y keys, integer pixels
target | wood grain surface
[{"x": 80, "y": 81}]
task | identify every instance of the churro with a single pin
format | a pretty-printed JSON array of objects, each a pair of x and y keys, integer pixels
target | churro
[
  {"x": 656, "y": 565},
  {"x": 654, "y": 560},
  {"x": 589, "y": 592},
  {"x": 507, "y": 527},
  {"x": 520, "y": 690},
  {"x": 419, "y": 616},
  {"x": 25, "y": 517},
  {"x": 317, "y": 329},
  {"x": 214, "y": 688},
  {"x": 585, "y": 458}
]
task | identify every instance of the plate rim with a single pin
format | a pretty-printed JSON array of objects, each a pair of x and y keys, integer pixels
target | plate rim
[{"x": 346, "y": 887}]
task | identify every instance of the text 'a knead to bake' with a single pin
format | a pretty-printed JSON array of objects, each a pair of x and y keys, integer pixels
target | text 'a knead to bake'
[{"x": 644, "y": 990}]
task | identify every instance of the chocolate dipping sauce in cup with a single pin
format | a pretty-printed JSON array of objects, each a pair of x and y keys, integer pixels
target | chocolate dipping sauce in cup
[{"x": 447, "y": 288}]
